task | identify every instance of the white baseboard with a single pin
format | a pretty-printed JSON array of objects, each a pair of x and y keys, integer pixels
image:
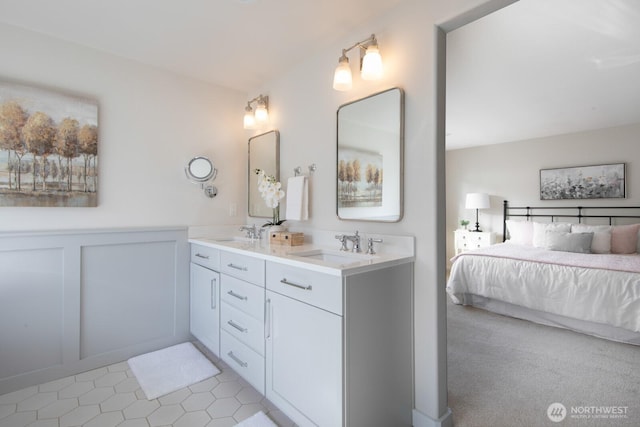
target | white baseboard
[{"x": 422, "y": 420}]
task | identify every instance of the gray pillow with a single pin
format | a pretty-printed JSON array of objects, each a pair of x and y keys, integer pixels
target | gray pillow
[{"x": 568, "y": 242}]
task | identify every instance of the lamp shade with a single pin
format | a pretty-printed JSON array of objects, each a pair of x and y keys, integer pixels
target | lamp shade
[
  {"x": 261, "y": 114},
  {"x": 342, "y": 79},
  {"x": 249, "y": 119},
  {"x": 477, "y": 201},
  {"x": 371, "y": 64}
]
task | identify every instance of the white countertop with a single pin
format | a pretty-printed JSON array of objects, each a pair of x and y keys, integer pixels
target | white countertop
[{"x": 293, "y": 255}]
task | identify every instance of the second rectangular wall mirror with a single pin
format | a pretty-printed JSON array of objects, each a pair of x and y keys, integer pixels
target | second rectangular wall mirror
[
  {"x": 370, "y": 158},
  {"x": 264, "y": 153}
]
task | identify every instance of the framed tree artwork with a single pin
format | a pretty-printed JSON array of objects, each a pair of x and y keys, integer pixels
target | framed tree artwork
[{"x": 48, "y": 148}]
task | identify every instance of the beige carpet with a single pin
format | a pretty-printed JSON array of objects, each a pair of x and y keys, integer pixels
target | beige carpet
[{"x": 506, "y": 372}]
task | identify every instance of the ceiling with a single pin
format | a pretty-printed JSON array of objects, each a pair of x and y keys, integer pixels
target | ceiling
[
  {"x": 533, "y": 69},
  {"x": 543, "y": 67},
  {"x": 238, "y": 44}
]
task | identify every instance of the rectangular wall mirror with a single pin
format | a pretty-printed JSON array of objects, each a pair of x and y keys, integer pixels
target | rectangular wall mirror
[
  {"x": 264, "y": 153},
  {"x": 370, "y": 144}
]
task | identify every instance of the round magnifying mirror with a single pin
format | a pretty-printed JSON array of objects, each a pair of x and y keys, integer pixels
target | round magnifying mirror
[{"x": 200, "y": 169}]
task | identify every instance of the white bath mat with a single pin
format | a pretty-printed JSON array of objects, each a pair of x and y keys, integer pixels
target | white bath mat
[
  {"x": 164, "y": 371},
  {"x": 259, "y": 419}
]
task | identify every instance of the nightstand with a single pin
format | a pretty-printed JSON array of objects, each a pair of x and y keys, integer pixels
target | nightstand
[{"x": 468, "y": 240}]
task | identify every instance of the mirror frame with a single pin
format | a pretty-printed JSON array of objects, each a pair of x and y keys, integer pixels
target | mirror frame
[
  {"x": 251, "y": 181},
  {"x": 196, "y": 178},
  {"x": 400, "y": 153}
]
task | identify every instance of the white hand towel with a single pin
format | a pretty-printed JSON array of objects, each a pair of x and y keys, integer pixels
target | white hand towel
[{"x": 298, "y": 198}]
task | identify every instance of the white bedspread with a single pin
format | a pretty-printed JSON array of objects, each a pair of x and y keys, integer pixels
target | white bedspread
[{"x": 580, "y": 286}]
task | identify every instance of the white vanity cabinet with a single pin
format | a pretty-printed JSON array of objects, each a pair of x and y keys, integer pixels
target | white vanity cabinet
[
  {"x": 304, "y": 344},
  {"x": 205, "y": 296},
  {"x": 242, "y": 316},
  {"x": 329, "y": 345},
  {"x": 338, "y": 349}
]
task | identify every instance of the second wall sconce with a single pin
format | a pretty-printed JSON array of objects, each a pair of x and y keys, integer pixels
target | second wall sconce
[
  {"x": 370, "y": 64},
  {"x": 261, "y": 116}
]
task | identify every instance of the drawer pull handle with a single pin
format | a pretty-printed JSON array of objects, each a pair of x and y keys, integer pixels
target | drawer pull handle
[
  {"x": 235, "y": 325},
  {"x": 233, "y": 294},
  {"x": 238, "y": 361},
  {"x": 199, "y": 255},
  {"x": 295, "y": 285},
  {"x": 237, "y": 267}
]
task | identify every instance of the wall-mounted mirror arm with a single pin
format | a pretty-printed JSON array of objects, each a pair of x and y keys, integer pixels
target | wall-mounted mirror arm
[{"x": 200, "y": 170}]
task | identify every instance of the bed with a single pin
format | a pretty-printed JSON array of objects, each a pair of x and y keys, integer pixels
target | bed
[{"x": 557, "y": 267}]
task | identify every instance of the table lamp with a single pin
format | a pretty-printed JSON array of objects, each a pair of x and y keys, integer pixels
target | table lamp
[{"x": 477, "y": 201}]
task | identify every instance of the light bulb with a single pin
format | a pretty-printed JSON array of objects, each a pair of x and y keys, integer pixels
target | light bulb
[
  {"x": 342, "y": 79},
  {"x": 372, "y": 64}
]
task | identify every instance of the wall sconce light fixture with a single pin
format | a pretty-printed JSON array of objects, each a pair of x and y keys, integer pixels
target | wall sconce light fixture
[
  {"x": 370, "y": 64},
  {"x": 261, "y": 116}
]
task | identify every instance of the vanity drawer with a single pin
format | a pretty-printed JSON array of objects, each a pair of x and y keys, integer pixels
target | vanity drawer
[
  {"x": 205, "y": 256},
  {"x": 318, "y": 289},
  {"x": 243, "y": 295},
  {"x": 243, "y": 360},
  {"x": 243, "y": 267},
  {"x": 243, "y": 327}
]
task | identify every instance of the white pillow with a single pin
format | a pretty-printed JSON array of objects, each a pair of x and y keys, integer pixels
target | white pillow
[
  {"x": 601, "y": 243},
  {"x": 540, "y": 228},
  {"x": 520, "y": 232}
]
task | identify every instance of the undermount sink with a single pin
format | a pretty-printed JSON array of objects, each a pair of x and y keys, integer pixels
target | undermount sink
[
  {"x": 227, "y": 239},
  {"x": 234, "y": 239},
  {"x": 332, "y": 257}
]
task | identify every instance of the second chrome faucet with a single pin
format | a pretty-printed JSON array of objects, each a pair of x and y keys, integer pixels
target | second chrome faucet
[{"x": 355, "y": 239}]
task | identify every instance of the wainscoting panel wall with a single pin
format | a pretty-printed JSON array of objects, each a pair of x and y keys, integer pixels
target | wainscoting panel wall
[
  {"x": 77, "y": 300},
  {"x": 31, "y": 310}
]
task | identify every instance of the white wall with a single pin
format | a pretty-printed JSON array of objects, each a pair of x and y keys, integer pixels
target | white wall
[
  {"x": 182, "y": 117},
  {"x": 511, "y": 172},
  {"x": 303, "y": 107},
  {"x": 151, "y": 123}
]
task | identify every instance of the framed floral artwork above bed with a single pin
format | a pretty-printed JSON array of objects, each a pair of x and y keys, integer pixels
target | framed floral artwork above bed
[{"x": 583, "y": 182}]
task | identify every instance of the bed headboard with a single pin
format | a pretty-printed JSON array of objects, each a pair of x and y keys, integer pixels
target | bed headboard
[{"x": 609, "y": 213}]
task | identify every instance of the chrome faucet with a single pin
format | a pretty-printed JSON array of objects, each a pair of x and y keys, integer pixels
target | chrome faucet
[
  {"x": 343, "y": 239},
  {"x": 356, "y": 242},
  {"x": 252, "y": 232}
]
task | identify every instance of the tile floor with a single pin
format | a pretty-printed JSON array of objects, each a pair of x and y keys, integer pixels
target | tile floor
[{"x": 111, "y": 396}]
